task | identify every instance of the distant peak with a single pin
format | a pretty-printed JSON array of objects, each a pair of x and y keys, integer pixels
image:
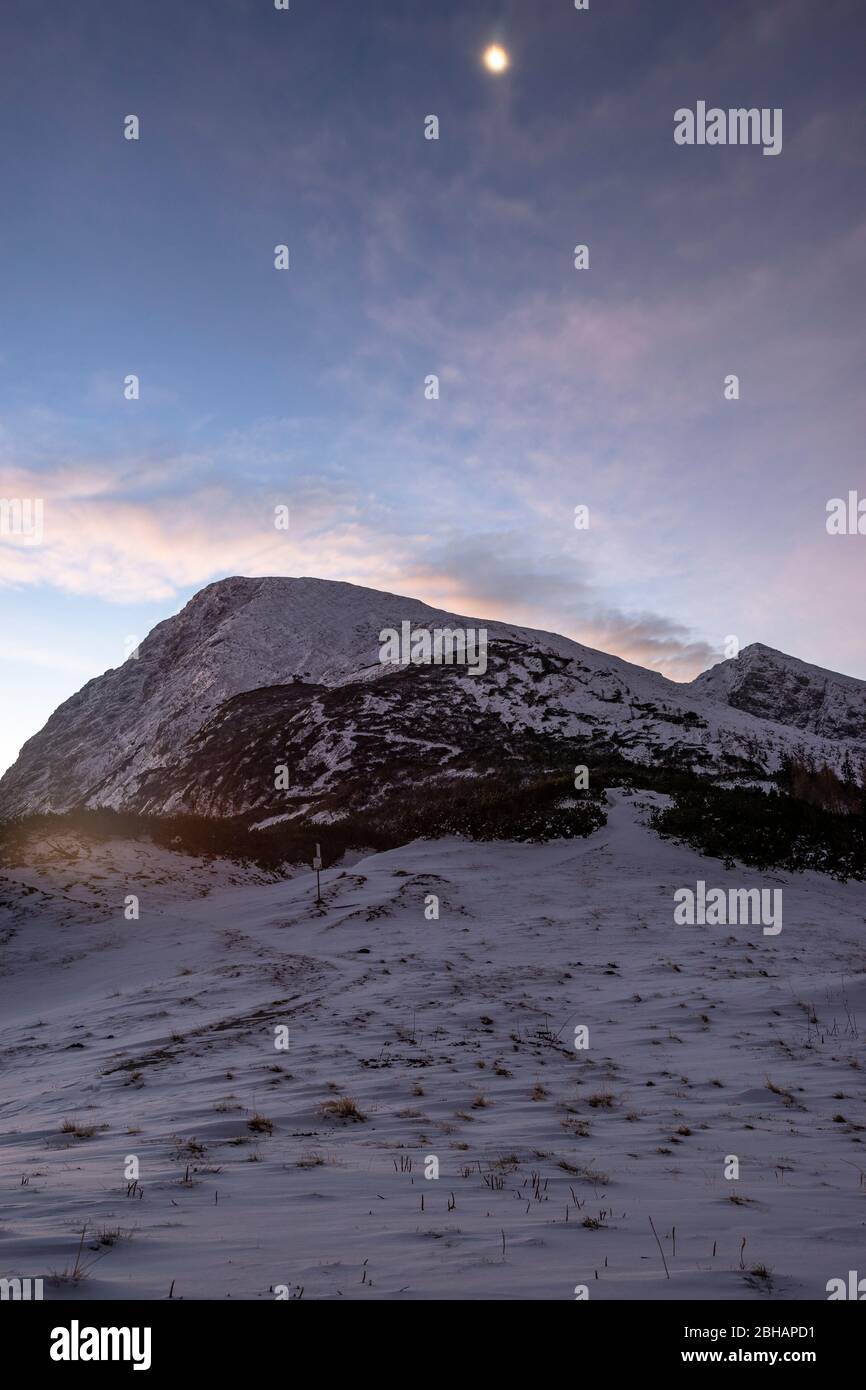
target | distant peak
[{"x": 761, "y": 649}]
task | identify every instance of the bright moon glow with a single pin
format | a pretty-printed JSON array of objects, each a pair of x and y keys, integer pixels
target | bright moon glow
[{"x": 496, "y": 59}]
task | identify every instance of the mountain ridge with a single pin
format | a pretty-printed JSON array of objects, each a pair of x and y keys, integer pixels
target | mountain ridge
[{"x": 256, "y": 673}]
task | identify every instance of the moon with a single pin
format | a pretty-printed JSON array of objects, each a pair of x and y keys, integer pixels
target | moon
[{"x": 496, "y": 59}]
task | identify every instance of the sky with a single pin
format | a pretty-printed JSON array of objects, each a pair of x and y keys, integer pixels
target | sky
[{"x": 305, "y": 388}]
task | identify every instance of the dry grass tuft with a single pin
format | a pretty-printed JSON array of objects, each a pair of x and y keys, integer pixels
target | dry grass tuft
[{"x": 343, "y": 1109}]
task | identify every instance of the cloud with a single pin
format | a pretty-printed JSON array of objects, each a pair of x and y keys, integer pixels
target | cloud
[
  {"x": 548, "y": 401},
  {"x": 123, "y": 549},
  {"x": 100, "y": 543},
  {"x": 491, "y": 576}
]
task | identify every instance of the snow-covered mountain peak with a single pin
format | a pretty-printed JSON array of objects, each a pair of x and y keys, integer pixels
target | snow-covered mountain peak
[
  {"x": 772, "y": 685},
  {"x": 255, "y": 672}
]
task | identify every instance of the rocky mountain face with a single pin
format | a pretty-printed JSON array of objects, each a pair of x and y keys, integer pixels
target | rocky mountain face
[
  {"x": 258, "y": 675},
  {"x": 772, "y": 686}
]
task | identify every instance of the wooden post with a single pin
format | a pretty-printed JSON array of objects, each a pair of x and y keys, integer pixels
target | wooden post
[{"x": 317, "y": 865}]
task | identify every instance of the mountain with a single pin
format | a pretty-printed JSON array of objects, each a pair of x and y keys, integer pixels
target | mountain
[
  {"x": 769, "y": 684},
  {"x": 257, "y": 673}
]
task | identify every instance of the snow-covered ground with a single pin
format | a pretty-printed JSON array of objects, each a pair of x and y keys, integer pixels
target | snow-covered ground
[{"x": 156, "y": 1039}]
